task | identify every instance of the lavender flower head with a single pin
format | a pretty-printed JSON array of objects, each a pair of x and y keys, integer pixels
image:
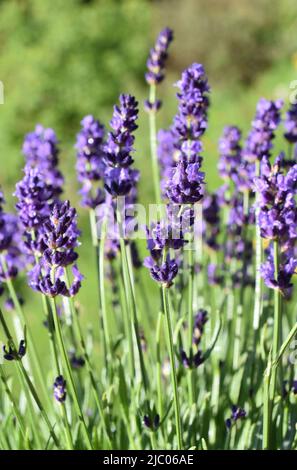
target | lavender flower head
[
  {"x": 190, "y": 122},
  {"x": 41, "y": 151},
  {"x": 278, "y": 221},
  {"x": 90, "y": 165},
  {"x": 34, "y": 198},
  {"x": 119, "y": 177},
  {"x": 266, "y": 120},
  {"x": 290, "y": 124},
  {"x": 60, "y": 389},
  {"x": 59, "y": 240},
  {"x": 157, "y": 57},
  {"x": 10, "y": 244},
  {"x": 230, "y": 153},
  {"x": 186, "y": 180}
]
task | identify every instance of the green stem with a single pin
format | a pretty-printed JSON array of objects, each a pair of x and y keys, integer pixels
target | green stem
[
  {"x": 28, "y": 381},
  {"x": 159, "y": 364},
  {"x": 102, "y": 291},
  {"x": 95, "y": 243},
  {"x": 277, "y": 319},
  {"x": 13, "y": 403},
  {"x": 131, "y": 299},
  {"x": 153, "y": 146},
  {"x": 127, "y": 326},
  {"x": 172, "y": 367},
  {"x": 31, "y": 342},
  {"x": 94, "y": 386},
  {"x": 69, "y": 375},
  {"x": 190, "y": 323},
  {"x": 258, "y": 280}
]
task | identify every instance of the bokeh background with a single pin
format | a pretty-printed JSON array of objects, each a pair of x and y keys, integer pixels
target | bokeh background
[{"x": 62, "y": 59}]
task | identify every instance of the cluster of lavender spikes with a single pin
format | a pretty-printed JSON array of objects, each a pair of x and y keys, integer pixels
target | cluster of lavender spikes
[{"x": 46, "y": 227}]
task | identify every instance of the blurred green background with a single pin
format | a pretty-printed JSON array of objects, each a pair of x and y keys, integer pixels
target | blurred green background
[{"x": 62, "y": 59}]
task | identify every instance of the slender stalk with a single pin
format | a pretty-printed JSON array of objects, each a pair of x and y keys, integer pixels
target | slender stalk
[
  {"x": 69, "y": 375},
  {"x": 102, "y": 291},
  {"x": 258, "y": 259},
  {"x": 277, "y": 320},
  {"x": 94, "y": 386},
  {"x": 153, "y": 146},
  {"x": 172, "y": 367},
  {"x": 13, "y": 403},
  {"x": 28, "y": 381},
  {"x": 131, "y": 299},
  {"x": 266, "y": 408},
  {"x": 159, "y": 364},
  {"x": 190, "y": 323},
  {"x": 95, "y": 244},
  {"x": 271, "y": 372},
  {"x": 19, "y": 309},
  {"x": 127, "y": 326}
]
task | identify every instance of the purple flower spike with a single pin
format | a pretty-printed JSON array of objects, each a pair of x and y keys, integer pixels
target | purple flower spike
[
  {"x": 157, "y": 58},
  {"x": 290, "y": 124},
  {"x": 60, "y": 389},
  {"x": 191, "y": 121},
  {"x": 34, "y": 198},
  {"x": 59, "y": 238},
  {"x": 90, "y": 161},
  {"x": 120, "y": 179},
  {"x": 41, "y": 151},
  {"x": 259, "y": 141},
  {"x": 230, "y": 153},
  {"x": 11, "y": 246}
]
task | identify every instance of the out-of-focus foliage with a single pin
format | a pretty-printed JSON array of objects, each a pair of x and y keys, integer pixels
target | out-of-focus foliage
[
  {"x": 62, "y": 59},
  {"x": 235, "y": 39}
]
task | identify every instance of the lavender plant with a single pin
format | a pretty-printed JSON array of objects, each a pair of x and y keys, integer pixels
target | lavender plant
[{"x": 192, "y": 347}]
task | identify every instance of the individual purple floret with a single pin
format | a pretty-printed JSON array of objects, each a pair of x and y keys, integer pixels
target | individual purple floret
[
  {"x": 60, "y": 389},
  {"x": 290, "y": 124},
  {"x": 266, "y": 120},
  {"x": 41, "y": 151},
  {"x": 294, "y": 387},
  {"x": 90, "y": 165},
  {"x": 200, "y": 319},
  {"x": 185, "y": 185},
  {"x": 13, "y": 355},
  {"x": 157, "y": 57},
  {"x": 236, "y": 414},
  {"x": 164, "y": 273},
  {"x": 193, "y": 361},
  {"x": 151, "y": 423}
]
